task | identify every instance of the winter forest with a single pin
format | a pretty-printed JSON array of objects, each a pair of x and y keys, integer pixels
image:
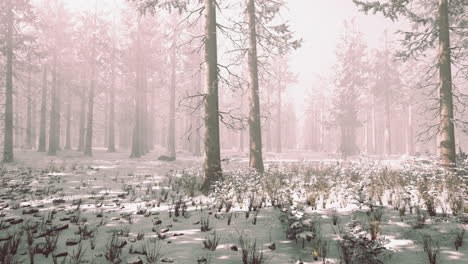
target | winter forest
[{"x": 233, "y": 131}]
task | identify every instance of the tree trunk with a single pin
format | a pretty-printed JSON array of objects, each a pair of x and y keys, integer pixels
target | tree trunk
[
  {"x": 388, "y": 139},
  {"x": 172, "y": 87},
  {"x": 8, "y": 129},
  {"x": 255, "y": 126},
  {"x": 53, "y": 110},
  {"x": 33, "y": 122},
  {"x": 68, "y": 129},
  {"x": 268, "y": 121},
  {"x": 321, "y": 148},
  {"x": 374, "y": 127},
  {"x": 446, "y": 137},
  {"x": 409, "y": 133},
  {"x": 88, "y": 148},
  {"x": 58, "y": 126},
  {"x": 136, "y": 138},
  {"x": 241, "y": 141},
  {"x": 111, "y": 124},
  {"x": 151, "y": 122},
  {"x": 197, "y": 143},
  {"x": 279, "y": 146},
  {"x": 212, "y": 166},
  {"x": 29, "y": 110},
  {"x": 144, "y": 108},
  {"x": 82, "y": 129},
  {"x": 42, "y": 126}
]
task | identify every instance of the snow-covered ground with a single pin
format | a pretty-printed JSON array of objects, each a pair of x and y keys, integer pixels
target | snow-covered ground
[{"x": 137, "y": 199}]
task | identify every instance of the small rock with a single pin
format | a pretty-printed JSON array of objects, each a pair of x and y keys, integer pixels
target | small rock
[
  {"x": 167, "y": 260},
  {"x": 234, "y": 248},
  {"x": 72, "y": 242},
  {"x": 59, "y": 228},
  {"x": 5, "y": 238},
  {"x": 122, "y": 244},
  {"x": 177, "y": 234},
  {"x": 61, "y": 255},
  {"x": 16, "y": 221},
  {"x": 58, "y": 201},
  {"x": 272, "y": 246},
  {"x": 30, "y": 211},
  {"x": 135, "y": 261}
]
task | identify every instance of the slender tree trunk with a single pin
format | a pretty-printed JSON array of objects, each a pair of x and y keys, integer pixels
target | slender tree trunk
[
  {"x": 255, "y": 126},
  {"x": 241, "y": 141},
  {"x": 268, "y": 121},
  {"x": 88, "y": 148},
  {"x": 387, "y": 135},
  {"x": 409, "y": 133},
  {"x": 144, "y": 108},
  {"x": 321, "y": 148},
  {"x": 33, "y": 122},
  {"x": 8, "y": 129},
  {"x": 171, "y": 133},
  {"x": 111, "y": 139},
  {"x": 16, "y": 121},
  {"x": 58, "y": 126},
  {"x": 42, "y": 126},
  {"x": 82, "y": 128},
  {"x": 446, "y": 137},
  {"x": 197, "y": 143},
  {"x": 53, "y": 110},
  {"x": 212, "y": 166},
  {"x": 29, "y": 110},
  {"x": 374, "y": 127},
  {"x": 279, "y": 147},
  {"x": 68, "y": 114},
  {"x": 136, "y": 138}
]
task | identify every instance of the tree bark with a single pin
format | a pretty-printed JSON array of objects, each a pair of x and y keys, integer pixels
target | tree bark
[
  {"x": 409, "y": 133},
  {"x": 58, "y": 126},
  {"x": 387, "y": 135},
  {"x": 212, "y": 166},
  {"x": 53, "y": 110},
  {"x": 68, "y": 116},
  {"x": 33, "y": 122},
  {"x": 279, "y": 147},
  {"x": 42, "y": 125},
  {"x": 137, "y": 152},
  {"x": 446, "y": 137},
  {"x": 172, "y": 99},
  {"x": 111, "y": 124},
  {"x": 374, "y": 127},
  {"x": 82, "y": 128},
  {"x": 255, "y": 126},
  {"x": 29, "y": 110},
  {"x": 197, "y": 141},
  {"x": 268, "y": 121},
  {"x": 8, "y": 129},
  {"x": 88, "y": 148}
]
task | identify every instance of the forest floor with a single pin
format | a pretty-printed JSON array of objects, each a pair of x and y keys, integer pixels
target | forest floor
[{"x": 109, "y": 207}]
